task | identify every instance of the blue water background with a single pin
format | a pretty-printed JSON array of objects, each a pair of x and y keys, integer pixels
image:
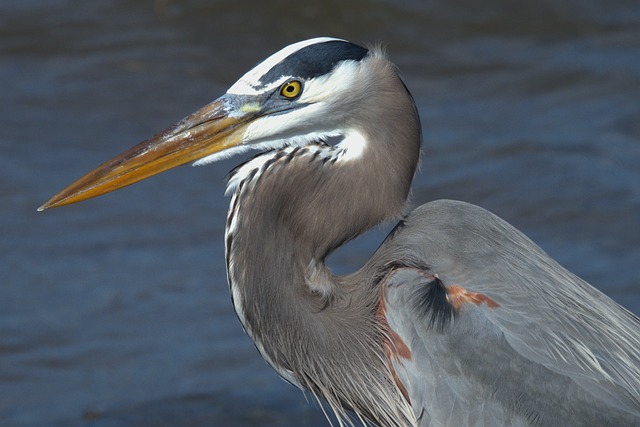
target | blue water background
[{"x": 115, "y": 312}]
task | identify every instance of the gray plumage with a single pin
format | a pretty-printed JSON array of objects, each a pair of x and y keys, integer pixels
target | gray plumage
[
  {"x": 458, "y": 319},
  {"x": 556, "y": 352},
  {"x": 320, "y": 329},
  {"x": 561, "y": 353}
]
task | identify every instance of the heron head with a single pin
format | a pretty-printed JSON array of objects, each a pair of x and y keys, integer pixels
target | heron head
[{"x": 306, "y": 92}]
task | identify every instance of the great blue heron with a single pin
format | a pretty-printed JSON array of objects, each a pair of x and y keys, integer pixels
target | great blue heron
[{"x": 458, "y": 319}]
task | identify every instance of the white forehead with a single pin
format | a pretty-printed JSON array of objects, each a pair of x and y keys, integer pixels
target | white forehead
[{"x": 249, "y": 82}]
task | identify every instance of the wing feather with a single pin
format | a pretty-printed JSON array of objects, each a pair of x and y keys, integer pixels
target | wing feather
[{"x": 550, "y": 332}]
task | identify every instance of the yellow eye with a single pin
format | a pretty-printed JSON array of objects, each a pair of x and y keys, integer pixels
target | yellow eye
[{"x": 291, "y": 89}]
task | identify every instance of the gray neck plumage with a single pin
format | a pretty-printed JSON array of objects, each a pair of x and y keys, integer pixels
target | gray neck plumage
[{"x": 291, "y": 208}]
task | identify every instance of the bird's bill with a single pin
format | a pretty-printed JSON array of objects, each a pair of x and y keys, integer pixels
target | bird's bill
[{"x": 214, "y": 128}]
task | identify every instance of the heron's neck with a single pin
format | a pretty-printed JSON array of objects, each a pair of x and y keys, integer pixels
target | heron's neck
[
  {"x": 289, "y": 210},
  {"x": 315, "y": 329}
]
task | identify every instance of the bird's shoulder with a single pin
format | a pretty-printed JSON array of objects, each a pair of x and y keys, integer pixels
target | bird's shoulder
[{"x": 483, "y": 308}]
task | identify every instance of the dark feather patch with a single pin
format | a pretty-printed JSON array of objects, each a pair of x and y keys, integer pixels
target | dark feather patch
[
  {"x": 292, "y": 154},
  {"x": 315, "y": 60},
  {"x": 433, "y": 305},
  {"x": 431, "y": 297},
  {"x": 277, "y": 156}
]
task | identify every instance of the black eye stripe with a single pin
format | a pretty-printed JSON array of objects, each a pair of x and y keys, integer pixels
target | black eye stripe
[{"x": 314, "y": 60}]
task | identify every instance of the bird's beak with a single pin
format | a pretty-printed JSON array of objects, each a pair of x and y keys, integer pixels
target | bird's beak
[{"x": 215, "y": 127}]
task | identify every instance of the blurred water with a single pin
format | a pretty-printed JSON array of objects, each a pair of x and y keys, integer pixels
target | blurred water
[{"x": 115, "y": 312}]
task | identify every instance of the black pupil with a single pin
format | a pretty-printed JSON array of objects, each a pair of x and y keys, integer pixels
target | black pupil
[{"x": 290, "y": 88}]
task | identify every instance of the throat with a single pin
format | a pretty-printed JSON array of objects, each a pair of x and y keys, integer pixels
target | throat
[
  {"x": 276, "y": 273},
  {"x": 289, "y": 210},
  {"x": 282, "y": 295}
]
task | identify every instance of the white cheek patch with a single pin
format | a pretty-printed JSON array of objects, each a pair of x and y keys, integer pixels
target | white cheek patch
[
  {"x": 249, "y": 84},
  {"x": 298, "y": 123},
  {"x": 339, "y": 82},
  {"x": 353, "y": 146},
  {"x": 239, "y": 149}
]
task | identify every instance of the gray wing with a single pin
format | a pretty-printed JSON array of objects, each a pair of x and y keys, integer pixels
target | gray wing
[{"x": 499, "y": 333}]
